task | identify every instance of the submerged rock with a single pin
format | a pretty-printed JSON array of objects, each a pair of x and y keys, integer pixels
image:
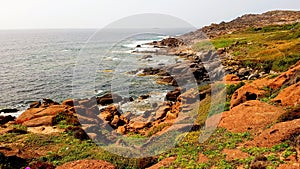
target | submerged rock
[{"x": 9, "y": 110}]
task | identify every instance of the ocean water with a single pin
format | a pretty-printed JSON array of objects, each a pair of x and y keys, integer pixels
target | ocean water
[{"x": 62, "y": 64}]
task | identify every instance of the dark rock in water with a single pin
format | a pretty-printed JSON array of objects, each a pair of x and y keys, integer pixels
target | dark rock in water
[
  {"x": 9, "y": 110},
  {"x": 138, "y": 46},
  {"x": 147, "y": 57},
  {"x": 6, "y": 119},
  {"x": 145, "y": 96},
  {"x": 109, "y": 99}
]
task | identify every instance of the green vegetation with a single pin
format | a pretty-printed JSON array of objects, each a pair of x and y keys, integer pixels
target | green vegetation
[
  {"x": 188, "y": 149},
  {"x": 268, "y": 48}
]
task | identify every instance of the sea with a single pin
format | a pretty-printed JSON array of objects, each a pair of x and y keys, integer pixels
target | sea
[{"x": 78, "y": 63}]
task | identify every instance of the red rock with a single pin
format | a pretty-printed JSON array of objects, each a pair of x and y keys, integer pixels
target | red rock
[
  {"x": 293, "y": 165},
  {"x": 246, "y": 93},
  {"x": 28, "y": 114},
  {"x": 290, "y": 96},
  {"x": 87, "y": 164},
  {"x": 40, "y": 121},
  {"x": 276, "y": 134},
  {"x": 287, "y": 78},
  {"x": 138, "y": 125},
  {"x": 250, "y": 116},
  {"x": 108, "y": 113},
  {"x": 121, "y": 130},
  {"x": 232, "y": 79},
  {"x": 52, "y": 110}
]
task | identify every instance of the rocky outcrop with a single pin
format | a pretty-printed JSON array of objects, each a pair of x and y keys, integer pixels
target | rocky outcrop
[
  {"x": 290, "y": 96},
  {"x": 255, "y": 91},
  {"x": 251, "y": 116},
  {"x": 242, "y": 23},
  {"x": 287, "y": 78},
  {"x": 246, "y": 93},
  {"x": 278, "y": 133},
  {"x": 168, "y": 42}
]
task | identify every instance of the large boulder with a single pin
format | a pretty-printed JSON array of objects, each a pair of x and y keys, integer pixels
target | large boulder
[
  {"x": 108, "y": 113},
  {"x": 246, "y": 93},
  {"x": 251, "y": 116},
  {"x": 290, "y": 96},
  {"x": 32, "y": 113},
  {"x": 287, "y": 78},
  {"x": 277, "y": 134},
  {"x": 40, "y": 121}
]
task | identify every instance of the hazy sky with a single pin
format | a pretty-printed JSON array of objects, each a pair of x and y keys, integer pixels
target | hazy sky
[{"x": 26, "y": 14}]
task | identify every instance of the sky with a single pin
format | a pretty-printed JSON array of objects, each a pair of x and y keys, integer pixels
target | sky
[{"x": 43, "y": 14}]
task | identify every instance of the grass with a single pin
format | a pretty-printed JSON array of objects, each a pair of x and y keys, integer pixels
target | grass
[
  {"x": 187, "y": 150},
  {"x": 269, "y": 48}
]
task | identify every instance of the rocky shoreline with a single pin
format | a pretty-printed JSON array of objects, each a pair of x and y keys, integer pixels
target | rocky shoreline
[{"x": 260, "y": 123}]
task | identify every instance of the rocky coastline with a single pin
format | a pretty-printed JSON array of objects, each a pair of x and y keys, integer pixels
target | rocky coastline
[{"x": 260, "y": 118}]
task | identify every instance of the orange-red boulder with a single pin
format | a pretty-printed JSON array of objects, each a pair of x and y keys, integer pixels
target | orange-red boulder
[
  {"x": 290, "y": 96},
  {"x": 277, "y": 134},
  {"x": 246, "y": 93},
  {"x": 287, "y": 78},
  {"x": 250, "y": 116}
]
